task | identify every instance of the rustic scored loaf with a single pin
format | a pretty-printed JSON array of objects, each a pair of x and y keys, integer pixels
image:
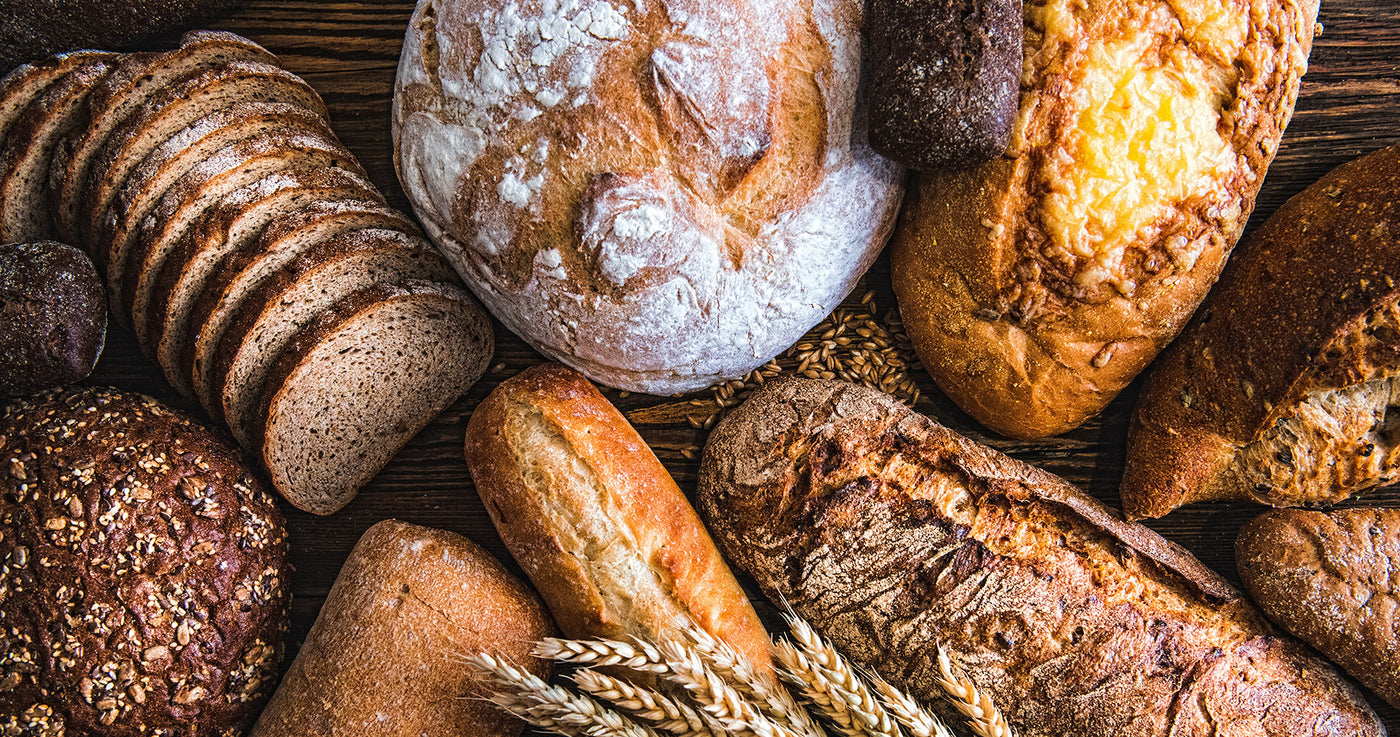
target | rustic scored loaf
[
  {"x": 892, "y": 534},
  {"x": 595, "y": 520},
  {"x": 1332, "y": 579},
  {"x": 1281, "y": 389},
  {"x": 1037, "y": 285},
  {"x": 663, "y": 194}
]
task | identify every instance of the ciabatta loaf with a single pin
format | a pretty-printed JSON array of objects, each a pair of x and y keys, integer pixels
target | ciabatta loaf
[
  {"x": 891, "y": 534},
  {"x": 1036, "y": 286},
  {"x": 595, "y": 520},
  {"x": 1281, "y": 390},
  {"x": 662, "y": 195}
]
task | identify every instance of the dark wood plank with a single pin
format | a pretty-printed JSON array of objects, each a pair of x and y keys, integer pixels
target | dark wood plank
[{"x": 1349, "y": 105}]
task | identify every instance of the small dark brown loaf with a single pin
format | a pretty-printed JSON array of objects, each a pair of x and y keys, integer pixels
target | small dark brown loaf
[
  {"x": 143, "y": 573},
  {"x": 1333, "y": 580},
  {"x": 55, "y": 316},
  {"x": 945, "y": 79},
  {"x": 30, "y": 29},
  {"x": 890, "y": 533}
]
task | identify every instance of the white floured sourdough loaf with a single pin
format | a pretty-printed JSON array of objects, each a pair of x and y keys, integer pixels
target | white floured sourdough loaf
[
  {"x": 1037, "y": 285},
  {"x": 660, "y": 194}
]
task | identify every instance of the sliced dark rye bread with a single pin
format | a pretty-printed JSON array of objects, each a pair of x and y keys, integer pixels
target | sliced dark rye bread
[
  {"x": 26, "y": 150},
  {"x": 166, "y": 114},
  {"x": 27, "y": 82},
  {"x": 137, "y": 241},
  {"x": 244, "y": 271},
  {"x": 120, "y": 97},
  {"x": 281, "y": 305},
  {"x": 167, "y": 292},
  {"x": 362, "y": 379},
  {"x": 225, "y": 171}
]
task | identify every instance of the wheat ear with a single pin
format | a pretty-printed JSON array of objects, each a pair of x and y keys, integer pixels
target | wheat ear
[
  {"x": 640, "y": 656},
  {"x": 685, "y": 668},
  {"x": 917, "y": 720},
  {"x": 551, "y": 707},
  {"x": 979, "y": 710},
  {"x": 799, "y": 670},
  {"x": 653, "y": 707},
  {"x": 844, "y": 684},
  {"x": 760, "y": 688}
]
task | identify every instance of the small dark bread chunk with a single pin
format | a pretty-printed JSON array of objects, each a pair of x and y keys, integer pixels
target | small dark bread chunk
[
  {"x": 32, "y": 29},
  {"x": 55, "y": 316},
  {"x": 143, "y": 573},
  {"x": 945, "y": 79},
  {"x": 1334, "y": 581}
]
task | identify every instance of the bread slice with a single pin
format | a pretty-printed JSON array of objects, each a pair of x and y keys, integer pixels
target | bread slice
[
  {"x": 244, "y": 271},
  {"x": 1036, "y": 286},
  {"x": 122, "y": 95},
  {"x": 166, "y": 114},
  {"x": 27, "y": 82},
  {"x": 1285, "y": 389},
  {"x": 361, "y": 380},
  {"x": 138, "y": 241},
  {"x": 167, "y": 290},
  {"x": 26, "y": 150},
  {"x": 276, "y": 309}
]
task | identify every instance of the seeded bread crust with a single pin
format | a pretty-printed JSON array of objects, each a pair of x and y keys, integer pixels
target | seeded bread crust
[
  {"x": 36, "y": 28},
  {"x": 336, "y": 396},
  {"x": 1037, "y": 286},
  {"x": 121, "y": 96},
  {"x": 891, "y": 534},
  {"x": 144, "y": 567},
  {"x": 1333, "y": 580},
  {"x": 1307, "y": 307}
]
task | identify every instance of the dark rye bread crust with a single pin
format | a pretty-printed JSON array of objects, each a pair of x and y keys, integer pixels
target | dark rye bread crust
[
  {"x": 1276, "y": 326},
  {"x": 890, "y": 534},
  {"x": 27, "y": 147},
  {"x": 55, "y": 317},
  {"x": 166, "y": 295},
  {"x": 1333, "y": 580},
  {"x": 36, "y": 28},
  {"x": 323, "y": 362},
  {"x": 145, "y": 573},
  {"x": 121, "y": 96}
]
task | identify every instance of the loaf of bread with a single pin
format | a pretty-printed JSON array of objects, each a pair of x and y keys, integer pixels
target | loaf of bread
[
  {"x": 144, "y": 582},
  {"x": 1036, "y": 286},
  {"x": 385, "y": 657},
  {"x": 55, "y": 317},
  {"x": 661, "y": 195},
  {"x": 1280, "y": 390},
  {"x": 891, "y": 534},
  {"x": 1333, "y": 580},
  {"x": 595, "y": 520},
  {"x": 32, "y": 29}
]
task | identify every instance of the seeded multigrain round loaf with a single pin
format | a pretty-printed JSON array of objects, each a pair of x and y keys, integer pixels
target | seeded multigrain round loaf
[
  {"x": 144, "y": 572},
  {"x": 661, "y": 195},
  {"x": 1037, "y": 285}
]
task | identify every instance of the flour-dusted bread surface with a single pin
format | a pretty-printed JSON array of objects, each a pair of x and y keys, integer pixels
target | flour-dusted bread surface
[
  {"x": 662, "y": 195},
  {"x": 1283, "y": 390},
  {"x": 362, "y": 379},
  {"x": 385, "y": 657},
  {"x": 891, "y": 534},
  {"x": 596, "y": 521},
  {"x": 1037, "y": 286},
  {"x": 145, "y": 572},
  {"x": 1332, "y": 579}
]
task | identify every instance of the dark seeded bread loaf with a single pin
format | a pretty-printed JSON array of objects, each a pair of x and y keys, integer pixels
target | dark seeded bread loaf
[
  {"x": 55, "y": 316},
  {"x": 890, "y": 534},
  {"x": 26, "y": 150},
  {"x": 1282, "y": 390},
  {"x": 1333, "y": 580},
  {"x": 122, "y": 95},
  {"x": 360, "y": 380},
  {"x": 32, "y": 29}
]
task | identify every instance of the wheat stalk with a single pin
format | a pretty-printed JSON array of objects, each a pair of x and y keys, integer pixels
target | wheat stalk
[
  {"x": 657, "y": 709},
  {"x": 528, "y": 697},
  {"x": 641, "y": 656},
  {"x": 687, "y": 669},
  {"x": 759, "y": 688},
  {"x": 844, "y": 684},
  {"x": 979, "y": 710},
  {"x": 804, "y": 675},
  {"x": 919, "y": 721}
]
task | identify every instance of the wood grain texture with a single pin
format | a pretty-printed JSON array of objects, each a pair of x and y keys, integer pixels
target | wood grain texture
[{"x": 1349, "y": 105}]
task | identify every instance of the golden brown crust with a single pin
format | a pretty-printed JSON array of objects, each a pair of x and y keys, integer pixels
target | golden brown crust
[
  {"x": 386, "y": 654},
  {"x": 595, "y": 520},
  {"x": 1285, "y": 320},
  {"x": 1032, "y": 333},
  {"x": 890, "y": 533},
  {"x": 1334, "y": 581}
]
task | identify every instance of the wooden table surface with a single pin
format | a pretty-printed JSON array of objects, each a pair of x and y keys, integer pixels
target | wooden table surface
[{"x": 1349, "y": 105}]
